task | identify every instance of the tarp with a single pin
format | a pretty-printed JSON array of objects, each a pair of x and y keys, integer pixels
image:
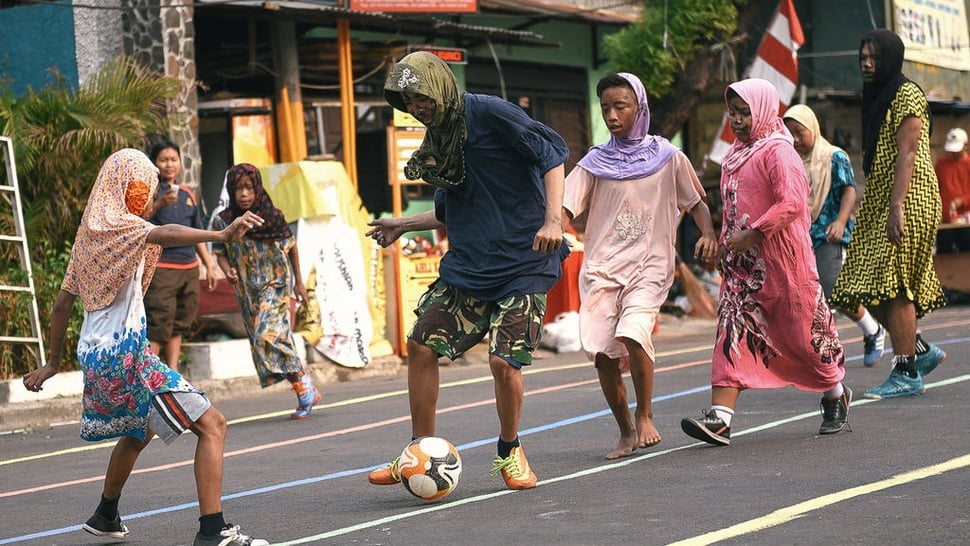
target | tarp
[{"x": 330, "y": 225}]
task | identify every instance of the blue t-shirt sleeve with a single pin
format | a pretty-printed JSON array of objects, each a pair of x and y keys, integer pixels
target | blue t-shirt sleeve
[
  {"x": 440, "y": 205},
  {"x": 842, "y": 173},
  {"x": 535, "y": 142}
]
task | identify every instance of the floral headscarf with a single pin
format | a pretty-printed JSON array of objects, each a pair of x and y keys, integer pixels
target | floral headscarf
[
  {"x": 274, "y": 223},
  {"x": 636, "y": 156},
  {"x": 762, "y": 98},
  {"x": 112, "y": 238},
  {"x": 439, "y": 160}
]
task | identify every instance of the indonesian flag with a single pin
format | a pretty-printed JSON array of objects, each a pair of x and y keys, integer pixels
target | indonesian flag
[{"x": 776, "y": 61}]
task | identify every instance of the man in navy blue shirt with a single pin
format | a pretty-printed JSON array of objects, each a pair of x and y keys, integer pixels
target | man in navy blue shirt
[{"x": 499, "y": 177}]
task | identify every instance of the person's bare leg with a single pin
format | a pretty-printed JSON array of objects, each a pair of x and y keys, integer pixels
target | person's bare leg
[
  {"x": 423, "y": 377},
  {"x": 856, "y": 315},
  {"x": 879, "y": 313},
  {"x": 901, "y": 317},
  {"x": 509, "y": 392},
  {"x": 156, "y": 348},
  {"x": 211, "y": 432},
  {"x": 120, "y": 464},
  {"x": 641, "y": 371},
  {"x": 725, "y": 396},
  {"x": 173, "y": 352},
  {"x": 614, "y": 390}
]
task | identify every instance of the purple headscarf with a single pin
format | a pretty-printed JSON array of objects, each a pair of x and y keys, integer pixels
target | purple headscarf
[{"x": 636, "y": 156}]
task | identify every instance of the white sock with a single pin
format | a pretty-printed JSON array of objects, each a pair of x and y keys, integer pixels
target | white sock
[
  {"x": 724, "y": 412},
  {"x": 835, "y": 392},
  {"x": 867, "y": 324}
]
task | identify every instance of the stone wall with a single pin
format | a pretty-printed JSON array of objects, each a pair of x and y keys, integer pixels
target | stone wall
[{"x": 163, "y": 37}]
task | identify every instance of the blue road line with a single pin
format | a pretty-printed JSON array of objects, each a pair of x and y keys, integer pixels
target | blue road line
[{"x": 352, "y": 472}]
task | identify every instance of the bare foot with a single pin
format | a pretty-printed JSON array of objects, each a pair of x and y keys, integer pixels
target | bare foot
[
  {"x": 625, "y": 447},
  {"x": 647, "y": 435}
]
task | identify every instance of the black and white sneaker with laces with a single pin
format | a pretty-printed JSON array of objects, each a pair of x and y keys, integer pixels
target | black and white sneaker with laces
[
  {"x": 711, "y": 429},
  {"x": 229, "y": 536},
  {"x": 835, "y": 413},
  {"x": 100, "y": 526}
]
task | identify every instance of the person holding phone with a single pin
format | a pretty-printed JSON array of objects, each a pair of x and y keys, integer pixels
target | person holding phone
[{"x": 172, "y": 300}]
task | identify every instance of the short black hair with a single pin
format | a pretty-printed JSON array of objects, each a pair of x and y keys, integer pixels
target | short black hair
[
  {"x": 612, "y": 80},
  {"x": 161, "y": 146}
]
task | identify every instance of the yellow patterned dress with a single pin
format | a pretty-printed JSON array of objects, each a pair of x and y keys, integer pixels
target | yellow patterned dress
[{"x": 875, "y": 270}]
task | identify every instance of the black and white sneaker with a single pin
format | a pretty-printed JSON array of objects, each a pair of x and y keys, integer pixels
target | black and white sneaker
[
  {"x": 711, "y": 429},
  {"x": 229, "y": 536},
  {"x": 835, "y": 413},
  {"x": 99, "y": 526}
]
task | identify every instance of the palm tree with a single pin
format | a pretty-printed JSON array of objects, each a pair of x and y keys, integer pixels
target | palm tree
[{"x": 61, "y": 136}]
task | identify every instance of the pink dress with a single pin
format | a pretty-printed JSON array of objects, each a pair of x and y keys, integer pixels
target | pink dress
[
  {"x": 774, "y": 328},
  {"x": 628, "y": 263}
]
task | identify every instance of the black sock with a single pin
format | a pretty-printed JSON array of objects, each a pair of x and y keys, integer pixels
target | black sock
[
  {"x": 905, "y": 364},
  {"x": 505, "y": 448},
  {"x": 921, "y": 346},
  {"x": 211, "y": 524},
  {"x": 108, "y": 508}
]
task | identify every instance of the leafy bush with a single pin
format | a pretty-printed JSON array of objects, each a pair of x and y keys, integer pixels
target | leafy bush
[
  {"x": 667, "y": 36},
  {"x": 61, "y": 135},
  {"x": 17, "y": 359}
]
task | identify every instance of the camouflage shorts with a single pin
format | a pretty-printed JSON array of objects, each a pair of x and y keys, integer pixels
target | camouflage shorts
[{"x": 451, "y": 322}]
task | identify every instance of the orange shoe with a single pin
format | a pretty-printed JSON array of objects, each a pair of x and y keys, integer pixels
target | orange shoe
[
  {"x": 515, "y": 470},
  {"x": 388, "y": 475}
]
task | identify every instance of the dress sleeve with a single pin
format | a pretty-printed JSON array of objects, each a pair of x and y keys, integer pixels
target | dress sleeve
[
  {"x": 789, "y": 189},
  {"x": 218, "y": 224},
  {"x": 687, "y": 182}
]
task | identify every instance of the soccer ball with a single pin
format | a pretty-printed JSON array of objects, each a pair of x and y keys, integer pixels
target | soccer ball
[{"x": 430, "y": 467}]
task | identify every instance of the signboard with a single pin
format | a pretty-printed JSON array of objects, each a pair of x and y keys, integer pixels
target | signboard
[
  {"x": 401, "y": 143},
  {"x": 450, "y": 55},
  {"x": 934, "y": 33},
  {"x": 416, "y": 6},
  {"x": 417, "y": 273}
]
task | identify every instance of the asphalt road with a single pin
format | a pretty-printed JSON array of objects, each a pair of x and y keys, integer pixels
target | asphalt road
[{"x": 901, "y": 476}]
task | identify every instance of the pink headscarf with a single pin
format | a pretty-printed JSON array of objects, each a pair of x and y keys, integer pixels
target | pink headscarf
[
  {"x": 766, "y": 125},
  {"x": 636, "y": 156},
  {"x": 112, "y": 240}
]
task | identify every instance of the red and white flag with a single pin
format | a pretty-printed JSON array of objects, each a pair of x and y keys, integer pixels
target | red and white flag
[{"x": 776, "y": 61}]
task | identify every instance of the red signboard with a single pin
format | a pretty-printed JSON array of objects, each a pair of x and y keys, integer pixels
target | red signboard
[
  {"x": 451, "y": 55},
  {"x": 416, "y": 6}
]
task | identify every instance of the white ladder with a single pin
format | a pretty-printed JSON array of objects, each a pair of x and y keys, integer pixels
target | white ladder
[{"x": 10, "y": 193}]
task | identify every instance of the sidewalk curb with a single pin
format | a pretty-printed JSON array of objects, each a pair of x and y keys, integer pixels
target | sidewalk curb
[
  {"x": 63, "y": 404},
  {"x": 60, "y": 402}
]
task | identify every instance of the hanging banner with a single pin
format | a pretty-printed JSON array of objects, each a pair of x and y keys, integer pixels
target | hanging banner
[
  {"x": 934, "y": 33},
  {"x": 776, "y": 61},
  {"x": 416, "y": 6}
]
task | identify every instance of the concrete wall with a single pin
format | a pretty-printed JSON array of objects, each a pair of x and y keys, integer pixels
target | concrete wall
[{"x": 34, "y": 39}]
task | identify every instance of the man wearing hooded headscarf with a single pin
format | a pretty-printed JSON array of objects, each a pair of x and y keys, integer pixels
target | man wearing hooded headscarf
[
  {"x": 889, "y": 265},
  {"x": 499, "y": 178}
]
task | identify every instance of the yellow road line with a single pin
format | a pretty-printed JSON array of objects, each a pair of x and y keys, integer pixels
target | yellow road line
[{"x": 784, "y": 515}]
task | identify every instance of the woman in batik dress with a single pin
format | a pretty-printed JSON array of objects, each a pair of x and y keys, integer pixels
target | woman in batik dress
[
  {"x": 264, "y": 266},
  {"x": 774, "y": 328}
]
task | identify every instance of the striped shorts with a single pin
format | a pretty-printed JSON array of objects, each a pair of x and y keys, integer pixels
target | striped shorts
[{"x": 173, "y": 413}]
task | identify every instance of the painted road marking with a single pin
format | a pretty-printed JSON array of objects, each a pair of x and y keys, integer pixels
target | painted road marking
[{"x": 479, "y": 498}]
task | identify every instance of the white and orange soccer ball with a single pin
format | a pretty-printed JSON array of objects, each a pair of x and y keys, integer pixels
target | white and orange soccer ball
[{"x": 430, "y": 467}]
